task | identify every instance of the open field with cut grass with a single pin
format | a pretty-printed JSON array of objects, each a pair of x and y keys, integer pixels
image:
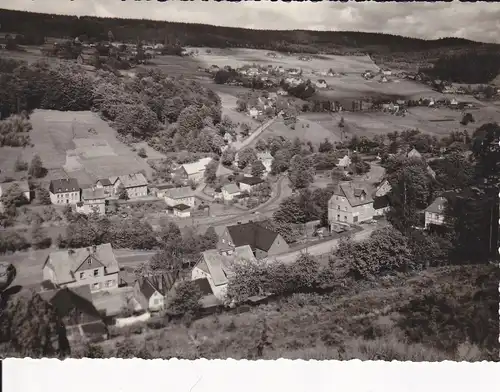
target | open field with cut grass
[{"x": 67, "y": 144}]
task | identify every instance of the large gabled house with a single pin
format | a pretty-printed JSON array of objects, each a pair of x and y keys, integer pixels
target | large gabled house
[
  {"x": 217, "y": 267},
  {"x": 64, "y": 191},
  {"x": 136, "y": 185},
  {"x": 194, "y": 171},
  {"x": 249, "y": 183},
  {"x": 74, "y": 306},
  {"x": 95, "y": 266},
  {"x": 350, "y": 203},
  {"x": 263, "y": 241},
  {"x": 93, "y": 200},
  {"x": 183, "y": 195}
]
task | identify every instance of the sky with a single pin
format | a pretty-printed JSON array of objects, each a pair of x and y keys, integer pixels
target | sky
[{"x": 475, "y": 21}]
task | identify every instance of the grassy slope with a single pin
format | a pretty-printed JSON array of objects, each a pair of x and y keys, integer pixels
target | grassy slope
[{"x": 359, "y": 323}]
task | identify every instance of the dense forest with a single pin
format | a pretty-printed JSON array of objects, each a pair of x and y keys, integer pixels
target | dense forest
[{"x": 188, "y": 34}]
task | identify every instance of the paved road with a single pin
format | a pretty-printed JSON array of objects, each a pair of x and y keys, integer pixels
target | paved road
[
  {"x": 240, "y": 145},
  {"x": 321, "y": 248}
]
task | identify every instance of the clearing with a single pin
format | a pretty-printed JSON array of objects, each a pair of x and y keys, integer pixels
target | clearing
[{"x": 75, "y": 144}]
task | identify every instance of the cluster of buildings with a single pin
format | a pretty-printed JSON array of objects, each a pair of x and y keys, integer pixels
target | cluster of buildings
[{"x": 75, "y": 280}]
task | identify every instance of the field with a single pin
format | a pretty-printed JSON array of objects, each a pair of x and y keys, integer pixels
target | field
[{"x": 68, "y": 146}]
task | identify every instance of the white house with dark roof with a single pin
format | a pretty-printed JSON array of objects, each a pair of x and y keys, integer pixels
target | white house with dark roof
[
  {"x": 249, "y": 183},
  {"x": 267, "y": 160},
  {"x": 95, "y": 266},
  {"x": 151, "y": 291},
  {"x": 93, "y": 200},
  {"x": 435, "y": 213},
  {"x": 64, "y": 191},
  {"x": 182, "y": 211},
  {"x": 183, "y": 195},
  {"x": 217, "y": 267},
  {"x": 321, "y": 83},
  {"x": 350, "y": 203}
]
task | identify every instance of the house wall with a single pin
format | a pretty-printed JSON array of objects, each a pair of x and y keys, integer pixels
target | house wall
[
  {"x": 108, "y": 189},
  {"x": 137, "y": 191},
  {"x": 97, "y": 283},
  {"x": 225, "y": 239},
  {"x": 381, "y": 211},
  {"x": 48, "y": 274},
  {"x": 246, "y": 187},
  {"x": 229, "y": 196},
  {"x": 65, "y": 198},
  {"x": 182, "y": 214},
  {"x": 260, "y": 254},
  {"x": 279, "y": 246},
  {"x": 196, "y": 177},
  {"x": 432, "y": 218},
  {"x": 189, "y": 201},
  {"x": 156, "y": 302},
  {"x": 339, "y": 210},
  {"x": 220, "y": 291}
]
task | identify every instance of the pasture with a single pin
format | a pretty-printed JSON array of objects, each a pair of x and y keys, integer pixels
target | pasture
[{"x": 80, "y": 145}]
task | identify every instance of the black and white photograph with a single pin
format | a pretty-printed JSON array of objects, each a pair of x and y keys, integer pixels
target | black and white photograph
[{"x": 249, "y": 180}]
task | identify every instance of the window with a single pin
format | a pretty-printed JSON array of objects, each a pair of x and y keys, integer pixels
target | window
[
  {"x": 338, "y": 207},
  {"x": 355, "y": 219},
  {"x": 108, "y": 283},
  {"x": 96, "y": 286},
  {"x": 96, "y": 272},
  {"x": 345, "y": 218},
  {"x": 89, "y": 262},
  {"x": 82, "y": 275},
  {"x": 338, "y": 217}
]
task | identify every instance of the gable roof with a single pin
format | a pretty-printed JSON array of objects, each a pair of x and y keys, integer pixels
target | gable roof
[
  {"x": 161, "y": 283},
  {"x": 181, "y": 207},
  {"x": 251, "y": 180},
  {"x": 65, "y": 262},
  {"x": 437, "y": 206},
  {"x": 414, "y": 154},
  {"x": 104, "y": 182},
  {"x": 353, "y": 193},
  {"x": 64, "y": 185},
  {"x": 265, "y": 155},
  {"x": 196, "y": 167},
  {"x": 253, "y": 234},
  {"x": 133, "y": 180},
  {"x": 231, "y": 188},
  {"x": 179, "y": 193},
  {"x": 220, "y": 266},
  {"x": 93, "y": 193}
]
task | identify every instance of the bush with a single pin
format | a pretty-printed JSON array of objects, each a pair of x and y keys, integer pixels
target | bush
[
  {"x": 142, "y": 153},
  {"x": 186, "y": 299},
  {"x": 11, "y": 241}
]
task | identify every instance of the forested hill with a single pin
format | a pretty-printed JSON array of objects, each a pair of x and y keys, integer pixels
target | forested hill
[{"x": 47, "y": 25}]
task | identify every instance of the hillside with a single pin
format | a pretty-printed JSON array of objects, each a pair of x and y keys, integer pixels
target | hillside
[{"x": 334, "y": 42}]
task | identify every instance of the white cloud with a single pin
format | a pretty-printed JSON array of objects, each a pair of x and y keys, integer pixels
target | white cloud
[{"x": 476, "y": 21}]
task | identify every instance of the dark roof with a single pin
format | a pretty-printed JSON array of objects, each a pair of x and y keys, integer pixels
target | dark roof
[
  {"x": 64, "y": 185},
  {"x": 164, "y": 186},
  {"x": 251, "y": 180},
  {"x": 161, "y": 283},
  {"x": 253, "y": 234},
  {"x": 105, "y": 182},
  {"x": 182, "y": 207},
  {"x": 96, "y": 328},
  {"x": 381, "y": 202},
  {"x": 203, "y": 285}
]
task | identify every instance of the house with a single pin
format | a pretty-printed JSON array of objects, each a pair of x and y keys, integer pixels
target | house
[
  {"x": 350, "y": 203},
  {"x": 64, "y": 191},
  {"x": 193, "y": 171},
  {"x": 87, "y": 59},
  {"x": 249, "y": 183},
  {"x": 414, "y": 154},
  {"x": 453, "y": 102},
  {"x": 217, "y": 267},
  {"x": 182, "y": 195},
  {"x": 81, "y": 318},
  {"x": 383, "y": 188},
  {"x": 344, "y": 162},
  {"x": 254, "y": 112},
  {"x": 386, "y": 72},
  {"x": 23, "y": 186},
  {"x": 267, "y": 160},
  {"x": 151, "y": 291},
  {"x": 282, "y": 92},
  {"x": 160, "y": 190},
  {"x": 182, "y": 211},
  {"x": 321, "y": 83},
  {"x": 218, "y": 193},
  {"x": 95, "y": 266},
  {"x": 136, "y": 185},
  {"x": 435, "y": 213},
  {"x": 263, "y": 241},
  {"x": 383, "y": 79},
  {"x": 93, "y": 200},
  {"x": 230, "y": 192},
  {"x": 105, "y": 184}
]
